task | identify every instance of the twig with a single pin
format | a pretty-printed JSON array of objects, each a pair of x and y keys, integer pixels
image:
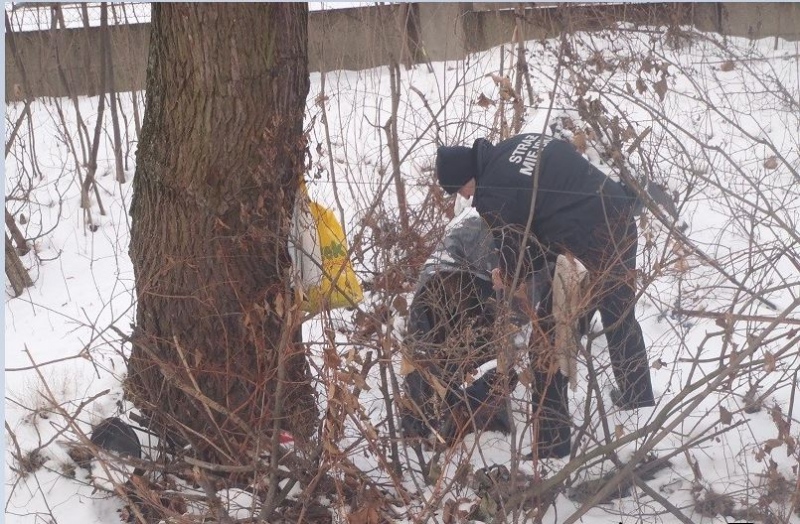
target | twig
[
  {"x": 662, "y": 500},
  {"x": 734, "y": 316},
  {"x": 392, "y": 141},
  {"x": 221, "y": 468},
  {"x": 185, "y": 364},
  {"x": 171, "y": 376},
  {"x": 108, "y": 83},
  {"x": 13, "y": 136},
  {"x": 291, "y": 325},
  {"x": 660, "y": 425},
  {"x": 214, "y": 502}
]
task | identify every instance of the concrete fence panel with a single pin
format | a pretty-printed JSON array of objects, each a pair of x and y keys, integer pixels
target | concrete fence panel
[{"x": 67, "y": 62}]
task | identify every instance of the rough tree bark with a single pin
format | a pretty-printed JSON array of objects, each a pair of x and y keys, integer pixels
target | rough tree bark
[
  {"x": 16, "y": 273},
  {"x": 220, "y": 157}
]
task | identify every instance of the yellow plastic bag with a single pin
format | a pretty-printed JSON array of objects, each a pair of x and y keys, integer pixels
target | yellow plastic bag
[{"x": 319, "y": 248}]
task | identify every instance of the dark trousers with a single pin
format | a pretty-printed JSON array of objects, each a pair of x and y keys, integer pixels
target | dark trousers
[
  {"x": 451, "y": 332},
  {"x": 611, "y": 261}
]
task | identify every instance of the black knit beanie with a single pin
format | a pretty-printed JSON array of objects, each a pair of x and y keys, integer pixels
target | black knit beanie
[{"x": 455, "y": 166}]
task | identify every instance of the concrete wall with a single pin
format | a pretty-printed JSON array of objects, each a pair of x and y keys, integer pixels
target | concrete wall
[
  {"x": 357, "y": 38},
  {"x": 63, "y": 62},
  {"x": 760, "y": 20}
]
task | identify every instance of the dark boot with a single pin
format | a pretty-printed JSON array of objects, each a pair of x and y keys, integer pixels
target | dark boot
[
  {"x": 636, "y": 389},
  {"x": 487, "y": 400},
  {"x": 479, "y": 407},
  {"x": 415, "y": 420},
  {"x": 551, "y": 414},
  {"x": 642, "y": 397}
]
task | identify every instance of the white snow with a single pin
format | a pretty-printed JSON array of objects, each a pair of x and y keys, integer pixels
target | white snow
[{"x": 711, "y": 136}]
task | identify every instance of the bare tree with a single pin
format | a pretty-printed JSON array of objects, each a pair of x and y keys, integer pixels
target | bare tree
[{"x": 219, "y": 161}]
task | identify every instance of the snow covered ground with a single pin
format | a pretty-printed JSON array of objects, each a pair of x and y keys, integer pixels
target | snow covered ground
[{"x": 724, "y": 136}]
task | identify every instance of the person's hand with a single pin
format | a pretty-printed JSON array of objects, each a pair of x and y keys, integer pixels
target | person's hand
[{"x": 497, "y": 279}]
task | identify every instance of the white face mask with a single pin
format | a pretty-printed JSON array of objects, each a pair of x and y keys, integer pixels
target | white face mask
[{"x": 461, "y": 204}]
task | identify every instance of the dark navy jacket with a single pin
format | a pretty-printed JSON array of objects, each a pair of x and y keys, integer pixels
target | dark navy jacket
[{"x": 573, "y": 198}]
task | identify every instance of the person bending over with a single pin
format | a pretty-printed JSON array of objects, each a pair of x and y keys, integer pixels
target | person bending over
[{"x": 574, "y": 210}]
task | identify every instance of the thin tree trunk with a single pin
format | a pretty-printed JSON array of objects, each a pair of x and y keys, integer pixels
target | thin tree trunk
[
  {"x": 394, "y": 146},
  {"x": 17, "y": 275},
  {"x": 108, "y": 88},
  {"x": 16, "y": 234},
  {"x": 83, "y": 132},
  {"x": 91, "y": 168},
  {"x": 26, "y": 111},
  {"x": 136, "y": 118},
  {"x": 521, "y": 73},
  {"x": 219, "y": 161}
]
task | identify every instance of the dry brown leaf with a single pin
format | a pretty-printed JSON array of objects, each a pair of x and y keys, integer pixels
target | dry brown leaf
[
  {"x": 771, "y": 163},
  {"x": 725, "y": 416},
  {"x": 629, "y": 133},
  {"x": 683, "y": 266},
  {"x": 484, "y": 101},
  {"x": 469, "y": 378},
  {"x": 330, "y": 447},
  {"x": 727, "y": 66},
  {"x": 358, "y": 381},
  {"x": 579, "y": 141},
  {"x": 526, "y": 377},
  {"x": 370, "y": 432},
  {"x": 365, "y": 515},
  {"x": 450, "y": 512},
  {"x": 781, "y": 423},
  {"x": 504, "y": 83},
  {"x": 400, "y": 304},
  {"x": 321, "y": 99},
  {"x": 351, "y": 403},
  {"x": 791, "y": 444},
  {"x": 770, "y": 362},
  {"x": 406, "y": 366},
  {"x": 345, "y": 376},
  {"x": 771, "y": 444},
  {"x": 661, "y": 88},
  {"x": 619, "y": 431},
  {"x": 641, "y": 87},
  {"x": 353, "y": 356}
]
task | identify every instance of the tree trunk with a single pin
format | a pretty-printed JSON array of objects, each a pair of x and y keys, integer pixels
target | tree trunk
[
  {"x": 16, "y": 234},
  {"x": 16, "y": 273},
  {"x": 215, "y": 356}
]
